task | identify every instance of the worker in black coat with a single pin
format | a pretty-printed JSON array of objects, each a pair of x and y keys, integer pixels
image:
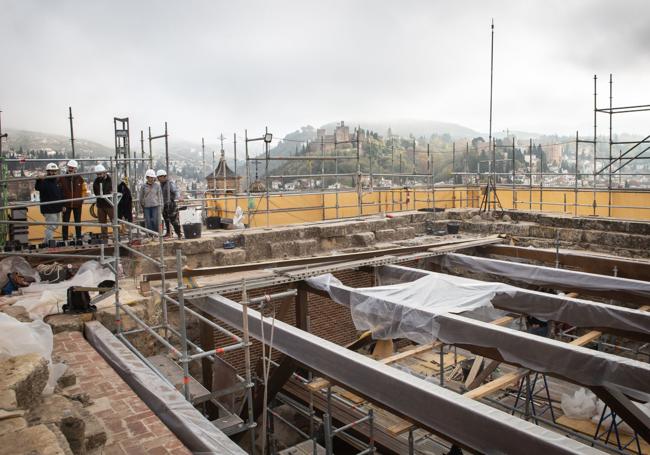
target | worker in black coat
[{"x": 49, "y": 190}]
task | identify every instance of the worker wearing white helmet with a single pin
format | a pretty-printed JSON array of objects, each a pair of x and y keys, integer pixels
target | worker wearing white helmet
[
  {"x": 49, "y": 190},
  {"x": 74, "y": 188},
  {"x": 170, "y": 209},
  {"x": 150, "y": 198},
  {"x": 103, "y": 186}
]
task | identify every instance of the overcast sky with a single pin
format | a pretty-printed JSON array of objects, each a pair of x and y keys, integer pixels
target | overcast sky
[{"x": 211, "y": 66}]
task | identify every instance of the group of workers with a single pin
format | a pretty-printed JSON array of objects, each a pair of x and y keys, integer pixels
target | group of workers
[{"x": 64, "y": 195}]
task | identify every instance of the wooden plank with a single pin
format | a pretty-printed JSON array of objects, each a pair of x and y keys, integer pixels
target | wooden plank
[
  {"x": 498, "y": 384},
  {"x": 588, "y": 427},
  {"x": 400, "y": 427},
  {"x": 586, "y": 338},
  {"x": 476, "y": 366},
  {"x": 356, "y": 399},
  {"x": 409, "y": 353},
  {"x": 317, "y": 384}
]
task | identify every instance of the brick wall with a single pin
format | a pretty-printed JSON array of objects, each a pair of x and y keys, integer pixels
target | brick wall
[{"x": 327, "y": 319}]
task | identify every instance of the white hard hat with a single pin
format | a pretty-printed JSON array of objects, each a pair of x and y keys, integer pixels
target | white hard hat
[
  {"x": 51, "y": 167},
  {"x": 100, "y": 168},
  {"x": 160, "y": 172},
  {"x": 150, "y": 173},
  {"x": 73, "y": 163}
]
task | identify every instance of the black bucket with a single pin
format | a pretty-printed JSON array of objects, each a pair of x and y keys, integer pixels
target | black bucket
[
  {"x": 192, "y": 230},
  {"x": 213, "y": 222},
  {"x": 453, "y": 227}
]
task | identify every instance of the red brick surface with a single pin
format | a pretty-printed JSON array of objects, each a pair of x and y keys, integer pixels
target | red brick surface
[
  {"x": 327, "y": 319},
  {"x": 131, "y": 427}
]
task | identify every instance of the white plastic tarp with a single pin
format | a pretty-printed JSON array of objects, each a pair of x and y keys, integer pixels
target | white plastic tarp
[
  {"x": 544, "y": 306},
  {"x": 18, "y": 338},
  {"x": 42, "y": 299},
  {"x": 408, "y": 310}
]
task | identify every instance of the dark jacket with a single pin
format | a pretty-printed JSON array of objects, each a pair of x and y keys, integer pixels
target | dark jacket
[
  {"x": 169, "y": 192},
  {"x": 125, "y": 206},
  {"x": 73, "y": 186},
  {"x": 103, "y": 186},
  {"x": 49, "y": 190}
]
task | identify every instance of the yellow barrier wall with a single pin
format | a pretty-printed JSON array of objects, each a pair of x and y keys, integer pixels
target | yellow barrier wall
[{"x": 301, "y": 208}]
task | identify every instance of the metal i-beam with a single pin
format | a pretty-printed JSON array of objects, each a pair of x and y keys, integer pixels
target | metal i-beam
[
  {"x": 626, "y": 322},
  {"x": 567, "y": 280},
  {"x": 587, "y": 262},
  {"x": 464, "y": 421}
]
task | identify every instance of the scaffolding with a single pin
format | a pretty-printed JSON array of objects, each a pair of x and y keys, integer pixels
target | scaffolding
[{"x": 172, "y": 337}]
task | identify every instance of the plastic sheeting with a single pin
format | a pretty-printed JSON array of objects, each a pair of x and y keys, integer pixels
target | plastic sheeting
[
  {"x": 18, "y": 338},
  {"x": 386, "y": 313},
  {"x": 544, "y": 276},
  {"x": 188, "y": 424},
  {"x": 16, "y": 264},
  {"x": 408, "y": 310},
  {"x": 41, "y": 299},
  {"x": 577, "y": 312}
]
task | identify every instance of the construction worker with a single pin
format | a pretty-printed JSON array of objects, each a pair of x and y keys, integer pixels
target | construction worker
[
  {"x": 50, "y": 190},
  {"x": 170, "y": 208},
  {"x": 150, "y": 198},
  {"x": 103, "y": 186},
  {"x": 74, "y": 187}
]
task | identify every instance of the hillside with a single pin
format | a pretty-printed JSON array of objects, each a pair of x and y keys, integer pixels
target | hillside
[{"x": 33, "y": 140}]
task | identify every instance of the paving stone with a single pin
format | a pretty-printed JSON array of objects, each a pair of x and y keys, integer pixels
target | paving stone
[{"x": 26, "y": 375}]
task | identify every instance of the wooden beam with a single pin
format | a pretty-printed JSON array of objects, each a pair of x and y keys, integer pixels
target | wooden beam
[
  {"x": 500, "y": 383},
  {"x": 487, "y": 371},
  {"x": 476, "y": 366}
]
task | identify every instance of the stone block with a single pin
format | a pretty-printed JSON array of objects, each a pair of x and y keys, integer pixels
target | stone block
[
  {"x": 544, "y": 232},
  {"x": 229, "y": 257},
  {"x": 8, "y": 400},
  {"x": 573, "y": 236},
  {"x": 26, "y": 375},
  {"x": 37, "y": 439},
  {"x": 404, "y": 233},
  {"x": 66, "y": 415},
  {"x": 333, "y": 230},
  {"x": 385, "y": 235},
  {"x": 65, "y": 323},
  {"x": 12, "y": 424},
  {"x": 306, "y": 247},
  {"x": 363, "y": 239}
]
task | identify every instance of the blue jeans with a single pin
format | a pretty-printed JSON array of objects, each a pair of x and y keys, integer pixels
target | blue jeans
[{"x": 151, "y": 218}]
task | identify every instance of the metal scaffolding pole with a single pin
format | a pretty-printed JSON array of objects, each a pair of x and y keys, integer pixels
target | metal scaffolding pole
[{"x": 71, "y": 131}]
